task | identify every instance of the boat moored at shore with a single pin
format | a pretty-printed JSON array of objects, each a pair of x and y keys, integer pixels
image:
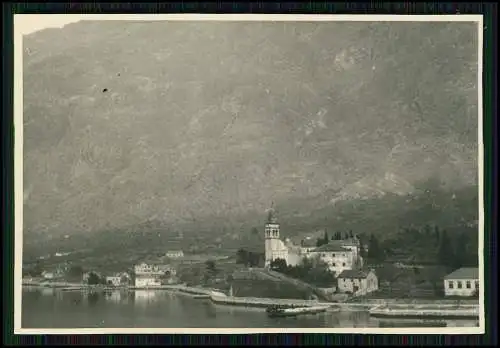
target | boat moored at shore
[{"x": 291, "y": 311}]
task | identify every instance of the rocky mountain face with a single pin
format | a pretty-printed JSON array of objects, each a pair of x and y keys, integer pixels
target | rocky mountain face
[{"x": 130, "y": 122}]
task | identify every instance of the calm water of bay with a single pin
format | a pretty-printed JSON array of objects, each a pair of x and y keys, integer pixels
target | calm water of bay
[{"x": 50, "y": 308}]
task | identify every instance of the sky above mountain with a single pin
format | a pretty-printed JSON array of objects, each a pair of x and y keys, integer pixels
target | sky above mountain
[{"x": 126, "y": 122}]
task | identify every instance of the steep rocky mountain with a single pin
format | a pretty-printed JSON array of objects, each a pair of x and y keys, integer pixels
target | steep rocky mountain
[{"x": 178, "y": 122}]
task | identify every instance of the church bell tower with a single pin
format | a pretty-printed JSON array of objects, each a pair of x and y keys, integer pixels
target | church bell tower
[{"x": 272, "y": 236}]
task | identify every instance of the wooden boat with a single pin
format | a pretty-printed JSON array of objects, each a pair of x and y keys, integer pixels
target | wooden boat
[{"x": 277, "y": 311}]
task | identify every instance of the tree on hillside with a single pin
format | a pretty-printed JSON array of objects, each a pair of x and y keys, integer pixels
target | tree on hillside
[
  {"x": 279, "y": 265},
  {"x": 94, "y": 279},
  {"x": 255, "y": 259},
  {"x": 362, "y": 250},
  {"x": 446, "y": 256},
  {"x": 351, "y": 235},
  {"x": 427, "y": 231},
  {"x": 346, "y": 235},
  {"x": 210, "y": 271},
  {"x": 36, "y": 270},
  {"x": 460, "y": 255},
  {"x": 242, "y": 256},
  {"x": 255, "y": 231},
  {"x": 76, "y": 271},
  {"x": 437, "y": 236},
  {"x": 374, "y": 250},
  {"x": 325, "y": 238},
  {"x": 322, "y": 241},
  {"x": 314, "y": 272},
  {"x": 210, "y": 266}
]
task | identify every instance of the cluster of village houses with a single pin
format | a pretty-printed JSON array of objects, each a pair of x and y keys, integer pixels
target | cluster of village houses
[
  {"x": 343, "y": 258},
  {"x": 145, "y": 275}
]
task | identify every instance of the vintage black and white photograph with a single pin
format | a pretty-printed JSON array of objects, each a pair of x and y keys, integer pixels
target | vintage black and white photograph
[{"x": 248, "y": 173}]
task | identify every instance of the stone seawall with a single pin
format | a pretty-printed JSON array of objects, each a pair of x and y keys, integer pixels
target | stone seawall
[
  {"x": 429, "y": 312},
  {"x": 376, "y": 302},
  {"x": 260, "y": 302}
]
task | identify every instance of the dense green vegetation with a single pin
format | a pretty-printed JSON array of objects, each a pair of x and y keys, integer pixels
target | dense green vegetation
[
  {"x": 314, "y": 272},
  {"x": 249, "y": 258},
  {"x": 427, "y": 245},
  {"x": 268, "y": 289}
]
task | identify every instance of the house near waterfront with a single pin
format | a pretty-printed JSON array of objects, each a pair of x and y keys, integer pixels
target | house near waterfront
[
  {"x": 357, "y": 282},
  {"x": 174, "y": 254},
  {"x": 152, "y": 275},
  {"x": 48, "y": 275},
  {"x": 53, "y": 274},
  {"x": 118, "y": 279},
  {"x": 113, "y": 280},
  {"x": 462, "y": 282}
]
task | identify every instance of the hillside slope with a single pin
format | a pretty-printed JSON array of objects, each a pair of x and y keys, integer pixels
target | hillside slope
[{"x": 126, "y": 123}]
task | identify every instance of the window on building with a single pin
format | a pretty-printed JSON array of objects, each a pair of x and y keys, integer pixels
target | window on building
[
  {"x": 323, "y": 255},
  {"x": 343, "y": 264},
  {"x": 459, "y": 284},
  {"x": 450, "y": 284},
  {"x": 333, "y": 264},
  {"x": 477, "y": 285},
  {"x": 333, "y": 255},
  {"x": 468, "y": 284}
]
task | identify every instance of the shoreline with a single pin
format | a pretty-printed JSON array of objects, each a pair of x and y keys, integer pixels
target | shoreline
[{"x": 392, "y": 308}]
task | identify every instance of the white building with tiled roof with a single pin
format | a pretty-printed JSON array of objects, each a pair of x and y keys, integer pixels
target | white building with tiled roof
[
  {"x": 357, "y": 282},
  {"x": 174, "y": 254},
  {"x": 339, "y": 255},
  {"x": 462, "y": 282}
]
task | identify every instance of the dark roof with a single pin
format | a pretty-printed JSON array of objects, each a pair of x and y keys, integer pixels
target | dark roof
[
  {"x": 353, "y": 274},
  {"x": 464, "y": 273},
  {"x": 332, "y": 247},
  {"x": 350, "y": 241},
  {"x": 308, "y": 243}
]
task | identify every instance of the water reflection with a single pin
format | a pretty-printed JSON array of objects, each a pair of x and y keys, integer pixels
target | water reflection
[
  {"x": 113, "y": 296},
  {"x": 210, "y": 310},
  {"x": 52, "y": 308},
  {"x": 48, "y": 291},
  {"x": 93, "y": 298},
  {"x": 144, "y": 297}
]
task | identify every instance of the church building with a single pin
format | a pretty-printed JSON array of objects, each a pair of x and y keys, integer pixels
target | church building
[
  {"x": 275, "y": 248},
  {"x": 338, "y": 255}
]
